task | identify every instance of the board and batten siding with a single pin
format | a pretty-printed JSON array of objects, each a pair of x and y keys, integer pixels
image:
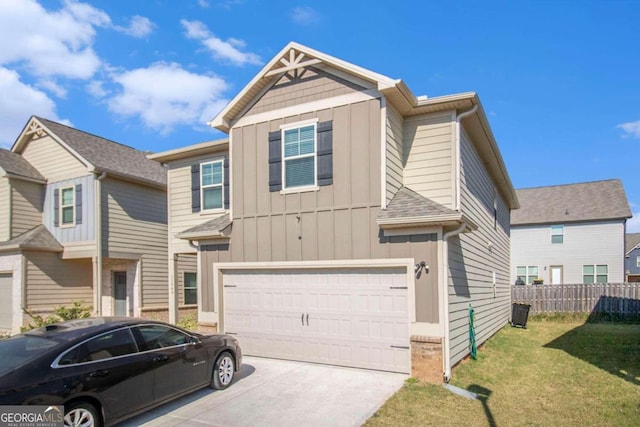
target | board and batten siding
[
  {"x": 187, "y": 263},
  {"x": 134, "y": 221},
  {"x": 586, "y": 243},
  {"x": 5, "y": 209},
  {"x": 52, "y": 282},
  {"x": 26, "y": 206},
  {"x": 181, "y": 215},
  {"x": 394, "y": 152},
  {"x": 428, "y": 142},
  {"x": 79, "y": 232},
  {"x": 475, "y": 256},
  {"x": 52, "y": 160},
  {"x": 311, "y": 85}
]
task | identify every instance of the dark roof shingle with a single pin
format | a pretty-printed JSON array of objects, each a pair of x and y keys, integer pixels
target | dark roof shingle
[
  {"x": 409, "y": 204},
  {"x": 586, "y": 201},
  {"x": 15, "y": 164},
  {"x": 211, "y": 227},
  {"x": 110, "y": 156}
]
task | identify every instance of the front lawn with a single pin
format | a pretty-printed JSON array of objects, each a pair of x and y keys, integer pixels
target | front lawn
[{"x": 554, "y": 373}]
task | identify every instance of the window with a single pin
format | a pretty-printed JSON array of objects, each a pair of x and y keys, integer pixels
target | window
[
  {"x": 105, "y": 346},
  {"x": 527, "y": 273},
  {"x": 212, "y": 185},
  {"x": 595, "y": 273},
  {"x": 158, "y": 336},
  {"x": 638, "y": 261},
  {"x": 190, "y": 288},
  {"x": 67, "y": 206},
  {"x": 299, "y": 156},
  {"x": 557, "y": 234}
]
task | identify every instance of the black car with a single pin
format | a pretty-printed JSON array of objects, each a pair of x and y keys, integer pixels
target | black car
[{"x": 104, "y": 370}]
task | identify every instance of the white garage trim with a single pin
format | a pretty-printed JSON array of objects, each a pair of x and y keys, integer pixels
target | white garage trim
[{"x": 14, "y": 264}]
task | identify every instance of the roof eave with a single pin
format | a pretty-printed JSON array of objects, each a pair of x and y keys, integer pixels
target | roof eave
[
  {"x": 126, "y": 177},
  {"x": 190, "y": 151},
  {"x": 203, "y": 235}
]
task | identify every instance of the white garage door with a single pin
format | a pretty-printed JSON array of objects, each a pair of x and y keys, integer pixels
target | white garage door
[
  {"x": 6, "y": 301},
  {"x": 348, "y": 317}
]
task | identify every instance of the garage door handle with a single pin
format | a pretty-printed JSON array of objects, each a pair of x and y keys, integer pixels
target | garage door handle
[{"x": 403, "y": 347}]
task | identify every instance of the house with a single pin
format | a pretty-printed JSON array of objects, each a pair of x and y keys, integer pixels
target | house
[
  {"x": 344, "y": 220},
  {"x": 82, "y": 219},
  {"x": 632, "y": 258},
  {"x": 570, "y": 233}
]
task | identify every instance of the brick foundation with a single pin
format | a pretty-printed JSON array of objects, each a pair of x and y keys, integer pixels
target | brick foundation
[
  {"x": 207, "y": 328},
  {"x": 426, "y": 359},
  {"x": 161, "y": 314}
]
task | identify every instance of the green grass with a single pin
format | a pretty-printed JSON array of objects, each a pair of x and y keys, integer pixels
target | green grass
[{"x": 558, "y": 372}]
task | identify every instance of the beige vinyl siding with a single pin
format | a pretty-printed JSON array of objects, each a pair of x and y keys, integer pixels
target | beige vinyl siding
[
  {"x": 52, "y": 282},
  {"x": 394, "y": 152},
  {"x": 182, "y": 217},
  {"x": 52, "y": 160},
  {"x": 26, "y": 206},
  {"x": 428, "y": 142},
  {"x": 135, "y": 222},
  {"x": 5, "y": 209},
  {"x": 474, "y": 256},
  {"x": 311, "y": 85},
  {"x": 187, "y": 263}
]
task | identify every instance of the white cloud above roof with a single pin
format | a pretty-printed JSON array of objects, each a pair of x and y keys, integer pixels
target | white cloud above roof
[
  {"x": 630, "y": 129},
  {"x": 229, "y": 50},
  {"x": 304, "y": 15},
  {"x": 139, "y": 26},
  {"x": 165, "y": 95}
]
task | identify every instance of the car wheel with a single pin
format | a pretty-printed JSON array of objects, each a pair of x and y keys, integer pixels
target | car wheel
[
  {"x": 223, "y": 371},
  {"x": 81, "y": 414}
]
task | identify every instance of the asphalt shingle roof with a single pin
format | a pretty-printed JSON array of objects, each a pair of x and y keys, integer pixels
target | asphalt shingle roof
[
  {"x": 38, "y": 238},
  {"x": 15, "y": 164},
  {"x": 631, "y": 240},
  {"x": 587, "y": 201},
  {"x": 109, "y": 156},
  {"x": 409, "y": 204},
  {"x": 212, "y": 226}
]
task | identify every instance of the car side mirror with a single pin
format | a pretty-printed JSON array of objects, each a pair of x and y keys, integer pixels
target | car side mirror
[{"x": 194, "y": 340}]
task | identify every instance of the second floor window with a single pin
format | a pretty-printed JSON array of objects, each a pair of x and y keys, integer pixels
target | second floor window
[
  {"x": 67, "y": 206},
  {"x": 638, "y": 261},
  {"x": 557, "y": 234},
  {"x": 299, "y": 156},
  {"x": 212, "y": 185}
]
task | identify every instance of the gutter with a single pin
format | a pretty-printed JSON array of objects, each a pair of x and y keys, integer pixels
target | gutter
[
  {"x": 445, "y": 299},
  {"x": 458, "y": 159},
  {"x": 98, "y": 230}
]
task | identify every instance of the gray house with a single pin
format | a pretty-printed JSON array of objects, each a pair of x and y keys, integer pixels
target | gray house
[
  {"x": 81, "y": 218},
  {"x": 632, "y": 258},
  {"x": 344, "y": 220},
  {"x": 570, "y": 233}
]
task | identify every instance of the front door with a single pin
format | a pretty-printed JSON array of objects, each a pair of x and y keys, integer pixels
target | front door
[
  {"x": 120, "y": 293},
  {"x": 556, "y": 274}
]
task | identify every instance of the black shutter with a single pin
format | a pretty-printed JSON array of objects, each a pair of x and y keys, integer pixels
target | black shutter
[
  {"x": 275, "y": 161},
  {"x": 195, "y": 188},
  {"x": 325, "y": 153},
  {"x": 226, "y": 182},
  {"x": 79, "y": 204},
  {"x": 56, "y": 207}
]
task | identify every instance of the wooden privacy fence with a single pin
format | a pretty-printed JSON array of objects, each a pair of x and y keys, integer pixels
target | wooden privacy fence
[{"x": 615, "y": 298}]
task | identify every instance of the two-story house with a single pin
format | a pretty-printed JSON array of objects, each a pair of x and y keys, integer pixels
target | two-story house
[
  {"x": 82, "y": 218},
  {"x": 344, "y": 220},
  {"x": 570, "y": 233},
  {"x": 632, "y": 258}
]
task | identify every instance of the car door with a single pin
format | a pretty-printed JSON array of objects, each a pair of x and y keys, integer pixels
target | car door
[
  {"x": 179, "y": 362},
  {"x": 110, "y": 366}
]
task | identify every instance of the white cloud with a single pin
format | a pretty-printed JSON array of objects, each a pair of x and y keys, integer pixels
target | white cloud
[
  {"x": 164, "y": 95},
  {"x": 203, "y": 3},
  {"x": 139, "y": 27},
  {"x": 96, "y": 89},
  {"x": 53, "y": 87},
  {"x": 631, "y": 129},
  {"x": 228, "y": 50},
  {"x": 18, "y": 102},
  {"x": 304, "y": 15}
]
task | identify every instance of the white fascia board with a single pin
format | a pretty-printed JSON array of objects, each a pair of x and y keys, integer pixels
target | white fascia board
[{"x": 190, "y": 150}]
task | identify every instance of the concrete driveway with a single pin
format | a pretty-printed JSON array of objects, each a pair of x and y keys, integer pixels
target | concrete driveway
[{"x": 269, "y": 392}]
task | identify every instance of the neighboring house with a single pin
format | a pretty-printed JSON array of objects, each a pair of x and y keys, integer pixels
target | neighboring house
[
  {"x": 632, "y": 258},
  {"x": 570, "y": 233},
  {"x": 344, "y": 221},
  {"x": 82, "y": 219}
]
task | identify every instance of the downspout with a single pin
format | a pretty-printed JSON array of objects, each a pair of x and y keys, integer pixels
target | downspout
[
  {"x": 98, "y": 207},
  {"x": 445, "y": 298},
  {"x": 459, "y": 117}
]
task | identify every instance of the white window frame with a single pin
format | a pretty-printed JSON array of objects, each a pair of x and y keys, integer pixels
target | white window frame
[
  {"x": 638, "y": 261},
  {"x": 553, "y": 234},
  {"x": 595, "y": 272},
  {"x": 61, "y": 222},
  {"x": 184, "y": 287},
  {"x": 283, "y": 176},
  {"x": 203, "y": 187},
  {"x": 528, "y": 279}
]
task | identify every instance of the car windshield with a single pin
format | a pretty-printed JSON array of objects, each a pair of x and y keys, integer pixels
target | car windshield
[{"x": 17, "y": 351}]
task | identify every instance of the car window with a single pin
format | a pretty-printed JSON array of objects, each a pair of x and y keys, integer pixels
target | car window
[
  {"x": 158, "y": 336},
  {"x": 111, "y": 344},
  {"x": 20, "y": 349}
]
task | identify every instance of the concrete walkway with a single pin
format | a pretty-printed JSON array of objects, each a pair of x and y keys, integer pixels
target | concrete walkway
[{"x": 269, "y": 392}]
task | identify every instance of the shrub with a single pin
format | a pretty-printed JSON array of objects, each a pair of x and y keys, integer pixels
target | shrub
[
  {"x": 77, "y": 311},
  {"x": 188, "y": 322}
]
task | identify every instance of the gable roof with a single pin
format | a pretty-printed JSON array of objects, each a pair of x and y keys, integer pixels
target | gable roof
[
  {"x": 102, "y": 154},
  {"x": 38, "y": 238},
  {"x": 14, "y": 164},
  {"x": 631, "y": 241},
  {"x": 586, "y": 201}
]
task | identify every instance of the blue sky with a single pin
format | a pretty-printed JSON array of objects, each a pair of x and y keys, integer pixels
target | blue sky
[{"x": 560, "y": 80}]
